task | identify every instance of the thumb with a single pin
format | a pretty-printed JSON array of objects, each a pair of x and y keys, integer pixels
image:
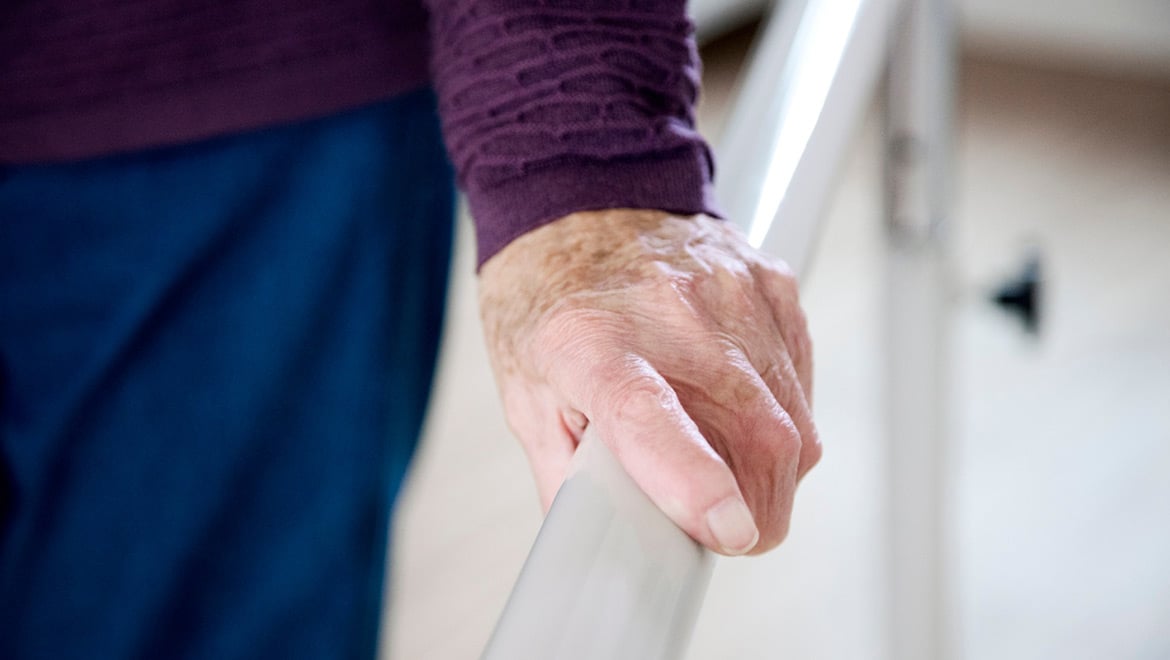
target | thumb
[{"x": 637, "y": 414}]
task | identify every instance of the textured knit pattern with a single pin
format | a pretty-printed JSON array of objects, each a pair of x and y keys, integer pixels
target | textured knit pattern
[
  {"x": 87, "y": 46},
  {"x": 548, "y": 106},
  {"x": 553, "y": 106},
  {"x": 82, "y": 78}
]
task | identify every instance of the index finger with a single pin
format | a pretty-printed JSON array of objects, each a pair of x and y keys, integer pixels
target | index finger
[{"x": 639, "y": 417}]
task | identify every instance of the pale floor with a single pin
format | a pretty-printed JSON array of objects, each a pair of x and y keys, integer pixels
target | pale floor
[{"x": 1060, "y": 474}]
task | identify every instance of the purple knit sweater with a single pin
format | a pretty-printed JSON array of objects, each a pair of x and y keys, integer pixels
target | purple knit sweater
[{"x": 548, "y": 106}]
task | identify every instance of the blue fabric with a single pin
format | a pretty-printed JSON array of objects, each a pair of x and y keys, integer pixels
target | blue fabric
[{"x": 215, "y": 362}]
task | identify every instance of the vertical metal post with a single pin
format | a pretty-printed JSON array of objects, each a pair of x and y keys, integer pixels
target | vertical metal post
[{"x": 919, "y": 95}]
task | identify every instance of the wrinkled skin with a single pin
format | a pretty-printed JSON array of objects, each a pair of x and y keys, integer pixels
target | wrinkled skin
[{"x": 684, "y": 347}]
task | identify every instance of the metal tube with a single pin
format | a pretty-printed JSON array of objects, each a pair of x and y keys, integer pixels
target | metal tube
[
  {"x": 610, "y": 576},
  {"x": 812, "y": 74},
  {"x": 918, "y": 158}
]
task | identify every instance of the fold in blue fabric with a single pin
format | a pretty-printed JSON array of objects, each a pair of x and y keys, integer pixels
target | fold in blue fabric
[{"x": 215, "y": 362}]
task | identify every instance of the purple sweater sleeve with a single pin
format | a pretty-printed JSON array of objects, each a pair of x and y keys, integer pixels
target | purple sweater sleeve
[{"x": 556, "y": 106}]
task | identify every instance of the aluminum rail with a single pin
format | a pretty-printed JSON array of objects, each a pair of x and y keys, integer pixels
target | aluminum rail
[
  {"x": 918, "y": 132},
  {"x": 813, "y": 73},
  {"x": 609, "y": 575}
]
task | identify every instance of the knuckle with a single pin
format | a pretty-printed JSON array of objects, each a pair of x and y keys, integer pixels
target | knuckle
[
  {"x": 786, "y": 441},
  {"x": 755, "y": 409},
  {"x": 777, "y": 276},
  {"x": 779, "y": 267},
  {"x": 811, "y": 449},
  {"x": 784, "y": 274},
  {"x": 767, "y": 419},
  {"x": 815, "y": 453},
  {"x": 638, "y": 397}
]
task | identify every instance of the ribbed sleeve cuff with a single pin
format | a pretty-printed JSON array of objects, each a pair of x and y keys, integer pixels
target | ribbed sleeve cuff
[{"x": 676, "y": 181}]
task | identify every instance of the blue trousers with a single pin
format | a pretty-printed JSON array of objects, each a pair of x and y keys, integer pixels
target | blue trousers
[{"x": 214, "y": 364}]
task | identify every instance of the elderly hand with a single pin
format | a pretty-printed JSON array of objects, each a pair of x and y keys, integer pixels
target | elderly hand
[{"x": 684, "y": 347}]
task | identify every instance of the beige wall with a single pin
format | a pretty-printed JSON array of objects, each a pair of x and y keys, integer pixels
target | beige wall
[
  {"x": 1105, "y": 36},
  {"x": 1130, "y": 37}
]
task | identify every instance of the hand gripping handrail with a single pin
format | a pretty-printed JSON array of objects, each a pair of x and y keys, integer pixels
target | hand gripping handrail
[{"x": 610, "y": 577}]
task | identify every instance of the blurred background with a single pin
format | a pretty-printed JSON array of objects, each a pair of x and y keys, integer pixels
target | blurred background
[{"x": 1059, "y": 467}]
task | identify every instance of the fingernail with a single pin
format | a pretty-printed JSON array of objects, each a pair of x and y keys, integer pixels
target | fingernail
[{"x": 732, "y": 526}]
